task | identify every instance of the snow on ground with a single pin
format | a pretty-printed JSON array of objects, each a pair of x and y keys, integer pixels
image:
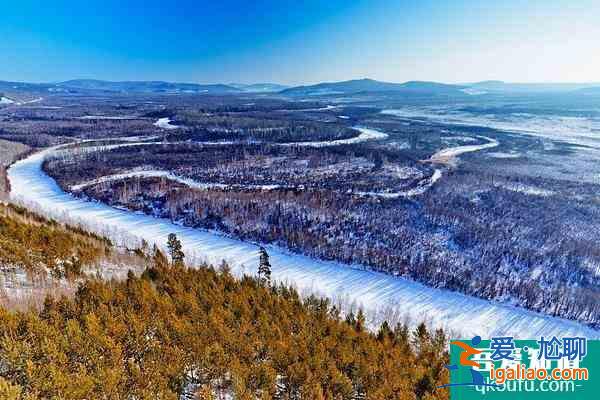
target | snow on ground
[
  {"x": 6, "y": 101},
  {"x": 473, "y": 91},
  {"x": 170, "y": 176},
  {"x": 526, "y": 189},
  {"x": 35, "y": 107},
  {"x": 326, "y": 108},
  {"x": 31, "y": 101},
  {"x": 22, "y": 103},
  {"x": 578, "y": 135},
  {"x": 448, "y": 155},
  {"x": 18, "y": 289},
  {"x": 366, "y": 135},
  {"x": 381, "y": 295},
  {"x": 502, "y": 155},
  {"x": 573, "y": 130},
  {"x": 402, "y": 173},
  {"x": 424, "y": 186},
  {"x": 108, "y": 117},
  {"x": 421, "y": 188},
  {"x": 165, "y": 123},
  {"x": 461, "y": 138}
]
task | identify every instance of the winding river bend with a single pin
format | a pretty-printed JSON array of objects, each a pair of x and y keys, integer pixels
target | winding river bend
[{"x": 381, "y": 296}]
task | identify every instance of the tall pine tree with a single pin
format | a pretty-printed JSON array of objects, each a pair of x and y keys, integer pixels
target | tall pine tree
[
  {"x": 158, "y": 258},
  {"x": 175, "y": 249},
  {"x": 264, "y": 266}
]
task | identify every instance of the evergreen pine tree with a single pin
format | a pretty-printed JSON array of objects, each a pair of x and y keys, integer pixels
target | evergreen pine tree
[
  {"x": 264, "y": 266},
  {"x": 360, "y": 321},
  {"x": 175, "y": 249},
  {"x": 351, "y": 319},
  {"x": 385, "y": 332},
  {"x": 158, "y": 258},
  {"x": 9, "y": 391}
]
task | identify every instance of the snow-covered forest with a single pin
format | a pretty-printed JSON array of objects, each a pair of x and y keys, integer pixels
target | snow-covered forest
[
  {"x": 155, "y": 328},
  {"x": 487, "y": 236},
  {"x": 457, "y": 207}
]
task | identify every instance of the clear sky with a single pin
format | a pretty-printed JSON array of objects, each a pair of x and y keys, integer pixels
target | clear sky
[{"x": 300, "y": 41}]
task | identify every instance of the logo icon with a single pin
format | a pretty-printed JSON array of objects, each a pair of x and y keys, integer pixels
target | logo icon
[
  {"x": 468, "y": 351},
  {"x": 502, "y": 367}
]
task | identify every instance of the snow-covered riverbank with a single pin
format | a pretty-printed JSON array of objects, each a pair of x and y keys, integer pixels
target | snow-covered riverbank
[
  {"x": 382, "y": 296},
  {"x": 366, "y": 135},
  {"x": 449, "y": 155},
  {"x": 165, "y": 123},
  {"x": 6, "y": 101},
  {"x": 169, "y": 176}
]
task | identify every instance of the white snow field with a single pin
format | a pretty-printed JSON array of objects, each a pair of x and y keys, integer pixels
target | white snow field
[
  {"x": 6, "y": 100},
  {"x": 578, "y": 134},
  {"x": 366, "y": 135},
  {"x": 37, "y": 100},
  {"x": 381, "y": 296},
  {"x": 574, "y": 130},
  {"x": 449, "y": 155},
  {"x": 109, "y": 117},
  {"x": 153, "y": 173},
  {"x": 421, "y": 188},
  {"x": 165, "y": 123}
]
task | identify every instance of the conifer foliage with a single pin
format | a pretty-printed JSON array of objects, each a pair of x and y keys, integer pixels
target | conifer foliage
[
  {"x": 179, "y": 333},
  {"x": 264, "y": 266},
  {"x": 39, "y": 246},
  {"x": 175, "y": 249}
]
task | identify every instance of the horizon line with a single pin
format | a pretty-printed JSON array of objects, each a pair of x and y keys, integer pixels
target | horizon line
[{"x": 183, "y": 82}]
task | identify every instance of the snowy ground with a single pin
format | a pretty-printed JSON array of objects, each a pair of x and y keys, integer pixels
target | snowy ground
[
  {"x": 565, "y": 147},
  {"x": 37, "y": 100},
  {"x": 382, "y": 296},
  {"x": 473, "y": 92},
  {"x": 421, "y": 188},
  {"x": 109, "y": 117},
  {"x": 165, "y": 123},
  {"x": 6, "y": 100},
  {"x": 366, "y": 135},
  {"x": 449, "y": 155},
  {"x": 446, "y": 156},
  {"x": 573, "y": 130},
  {"x": 151, "y": 173},
  {"x": 526, "y": 189}
]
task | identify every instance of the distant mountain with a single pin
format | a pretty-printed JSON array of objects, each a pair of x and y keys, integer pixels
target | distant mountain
[
  {"x": 93, "y": 85},
  {"x": 86, "y": 86},
  {"x": 370, "y": 85},
  {"x": 590, "y": 90},
  {"x": 500, "y": 86},
  {"x": 145, "y": 86},
  {"x": 6, "y": 86},
  {"x": 259, "y": 87}
]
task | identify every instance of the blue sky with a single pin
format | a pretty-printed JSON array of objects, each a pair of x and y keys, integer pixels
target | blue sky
[{"x": 297, "y": 42}]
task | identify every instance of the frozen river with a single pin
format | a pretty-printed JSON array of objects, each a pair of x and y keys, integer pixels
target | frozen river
[{"x": 380, "y": 295}]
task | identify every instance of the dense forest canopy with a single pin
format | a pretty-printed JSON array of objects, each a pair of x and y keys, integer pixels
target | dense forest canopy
[
  {"x": 496, "y": 237},
  {"x": 181, "y": 333},
  {"x": 177, "y": 333},
  {"x": 38, "y": 246}
]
